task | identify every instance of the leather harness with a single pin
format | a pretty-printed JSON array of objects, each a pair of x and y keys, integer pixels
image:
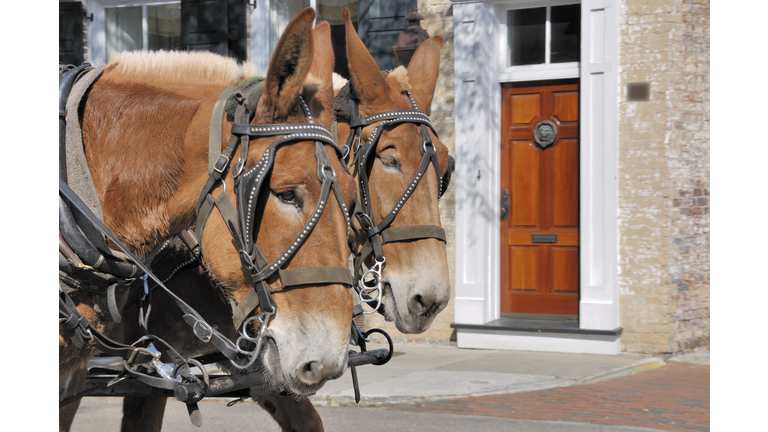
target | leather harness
[
  {"x": 369, "y": 281},
  {"x": 248, "y": 183}
]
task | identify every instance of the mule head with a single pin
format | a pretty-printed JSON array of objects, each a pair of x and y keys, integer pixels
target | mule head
[
  {"x": 306, "y": 340},
  {"x": 416, "y": 286}
]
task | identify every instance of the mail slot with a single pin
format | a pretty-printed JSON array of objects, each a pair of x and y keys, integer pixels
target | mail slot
[{"x": 543, "y": 238}]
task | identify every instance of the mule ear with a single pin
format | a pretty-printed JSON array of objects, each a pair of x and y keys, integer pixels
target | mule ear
[
  {"x": 423, "y": 71},
  {"x": 321, "y": 72},
  {"x": 289, "y": 65},
  {"x": 367, "y": 79}
]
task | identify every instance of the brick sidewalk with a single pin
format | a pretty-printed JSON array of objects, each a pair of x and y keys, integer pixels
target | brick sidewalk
[{"x": 672, "y": 398}]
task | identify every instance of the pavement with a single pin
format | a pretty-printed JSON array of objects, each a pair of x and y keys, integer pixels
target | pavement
[
  {"x": 417, "y": 372},
  {"x": 444, "y": 388}
]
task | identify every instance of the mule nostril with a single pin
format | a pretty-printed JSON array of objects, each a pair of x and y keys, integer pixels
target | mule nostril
[
  {"x": 418, "y": 304},
  {"x": 310, "y": 373}
]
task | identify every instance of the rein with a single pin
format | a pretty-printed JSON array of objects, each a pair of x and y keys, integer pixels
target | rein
[{"x": 369, "y": 282}]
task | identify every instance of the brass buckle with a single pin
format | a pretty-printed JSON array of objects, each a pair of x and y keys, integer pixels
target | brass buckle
[{"x": 221, "y": 164}]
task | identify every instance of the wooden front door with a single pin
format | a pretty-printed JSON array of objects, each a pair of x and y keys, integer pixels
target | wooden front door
[{"x": 540, "y": 235}]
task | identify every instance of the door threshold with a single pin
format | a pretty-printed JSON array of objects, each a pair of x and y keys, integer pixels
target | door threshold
[
  {"x": 536, "y": 326},
  {"x": 522, "y": 316}
]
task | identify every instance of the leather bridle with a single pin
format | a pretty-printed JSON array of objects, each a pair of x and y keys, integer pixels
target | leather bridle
[
  {"x": 368, "y": 282},
  {"x": 248, "y": 184}
]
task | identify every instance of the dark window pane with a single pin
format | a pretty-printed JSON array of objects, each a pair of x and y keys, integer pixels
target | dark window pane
[
  {"x": 566, "y": 22},
  {"x": 164, "y": 27},
  {"x": 123, "y": 29},
  {"x": 331, "y": 11},
  {"x": 526, "y": 36}
]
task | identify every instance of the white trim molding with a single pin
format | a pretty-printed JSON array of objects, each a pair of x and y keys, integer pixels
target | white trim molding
[{"x": 480, "y": 35}]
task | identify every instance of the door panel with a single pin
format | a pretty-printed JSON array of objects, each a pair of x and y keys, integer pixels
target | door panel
[
  {"x": 566, "y": 190},
  {"x": 525, "y": 268},
  {"x": 524, "y": 198},
  {"x": 566, "y": 106},
  {"x": 540, "y": 239},
  {"x": 525, "y": 108},
  {"x": 565, "y": 269}
]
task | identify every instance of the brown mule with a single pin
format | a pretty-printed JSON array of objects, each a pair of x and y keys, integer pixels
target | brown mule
[
  {"x": 302, "y": 416},
  {"x": 149, "y": 162},
  {"x": 415, "y": 274}
]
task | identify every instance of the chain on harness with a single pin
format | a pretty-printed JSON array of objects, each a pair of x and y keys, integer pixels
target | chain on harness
[{"x": 369, "y": 282}]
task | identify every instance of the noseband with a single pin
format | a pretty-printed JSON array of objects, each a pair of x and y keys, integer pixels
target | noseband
[
  {"x": 241, "y": 222},
  {"x": 369, "y": 282}
]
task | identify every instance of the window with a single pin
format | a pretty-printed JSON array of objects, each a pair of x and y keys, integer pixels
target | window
[
  {"x": 543, "y": 35},
  {"x": 280, "y": 14},
  {"x": 142, "y": 27}
]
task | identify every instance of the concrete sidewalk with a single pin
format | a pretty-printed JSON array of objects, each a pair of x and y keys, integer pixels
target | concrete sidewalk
[
  {"x": 419, "y": 372},
  {"x": 433, "y": 388}
]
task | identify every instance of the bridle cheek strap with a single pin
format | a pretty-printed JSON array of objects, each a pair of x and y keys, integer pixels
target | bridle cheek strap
[
  {"x": 394, "y": 235},
  {"x": 376, "y": 235}
]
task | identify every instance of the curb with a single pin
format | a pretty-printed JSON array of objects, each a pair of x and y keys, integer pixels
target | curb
[
  {"x": 641, "y": 366},
  {"x": 347, "y": 401}
]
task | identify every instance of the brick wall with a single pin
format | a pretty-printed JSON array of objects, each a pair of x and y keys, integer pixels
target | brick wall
[
  {"x": 664, "y": 176},
  {"x": 438, "y": 20}
]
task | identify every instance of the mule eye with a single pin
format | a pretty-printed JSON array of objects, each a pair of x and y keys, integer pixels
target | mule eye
[
  {"x": 390, "y": 162},
  {"x": 288, "y": 197}
]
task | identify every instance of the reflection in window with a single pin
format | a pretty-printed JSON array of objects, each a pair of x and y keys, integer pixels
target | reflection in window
[
  {"x": 543, "y": 35},
  {"x": 565, "y": 24},
  {"x": 280, "y": 14},
  {"x": 527, "y": 34},
  {"x": 164, "y": 27},
  {"x": 330, "y": 10},
  {"x": 124, "y": 28}
]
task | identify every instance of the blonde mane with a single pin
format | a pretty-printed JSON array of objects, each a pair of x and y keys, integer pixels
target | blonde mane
[
  {"x": 190, "y": 67},
  {"x": 398, "y": 78}
]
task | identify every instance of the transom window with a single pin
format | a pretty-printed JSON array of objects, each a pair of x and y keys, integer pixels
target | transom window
[
  {"x": 142, "y": 26},
  {"x": 543, "y": 35}
]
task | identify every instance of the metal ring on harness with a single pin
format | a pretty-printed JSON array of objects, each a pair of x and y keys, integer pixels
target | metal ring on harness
[
  {"x": 389, "y": 341},
  {"x": 374, "y": 284}
]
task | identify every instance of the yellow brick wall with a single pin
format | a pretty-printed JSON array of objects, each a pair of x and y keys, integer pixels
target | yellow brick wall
[{"x": 664, "y": 176}]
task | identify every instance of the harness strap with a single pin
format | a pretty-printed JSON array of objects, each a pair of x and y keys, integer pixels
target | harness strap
[
  {"x": 414, "y": 232},
  {"x": 243, "y": 309},
  {"x": 80, "y": 331},
  {"x": 397, "y": 234},
  {"x": 220, "y": 341},
  {"x": 214, "y": 141},
  {"x": 315, "y": 275}
]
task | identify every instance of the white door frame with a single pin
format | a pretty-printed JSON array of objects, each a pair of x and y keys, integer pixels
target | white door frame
[{"x": 479, "y": 69}]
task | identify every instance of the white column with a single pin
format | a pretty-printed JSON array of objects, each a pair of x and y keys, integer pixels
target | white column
[
  {"x": 476, "y": 167},
  {"x": 599, "y": 307}
]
